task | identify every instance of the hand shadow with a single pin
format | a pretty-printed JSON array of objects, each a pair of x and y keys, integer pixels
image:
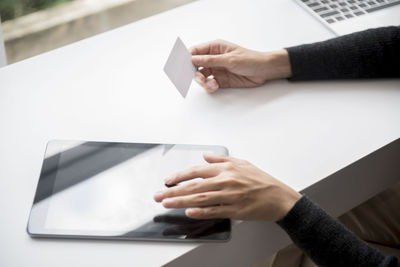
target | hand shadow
[{"x": 175, "y": 222}]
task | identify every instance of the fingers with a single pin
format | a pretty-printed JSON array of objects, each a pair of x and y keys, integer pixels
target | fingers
[
  {"x": 193, "y": 187},
  {"x": 226, "y": 211},
  {"x": 221, "y": 158},
  {"x": 210, "y": 84},
  {"x": 212, "y": 48},
  {"x": 202, "y": 171},
  {"x": 211, "y": 61},
  {"x": 200, "y": 200},
  {"x": 206, "y": 72},
  {"x": 201, "y": 49},
  {"x": 215, "y": 158}
]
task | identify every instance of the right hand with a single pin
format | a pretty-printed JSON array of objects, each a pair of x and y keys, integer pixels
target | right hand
[
  {"x": 226, "y": 65},
  {"x": 230, "y": 188}
]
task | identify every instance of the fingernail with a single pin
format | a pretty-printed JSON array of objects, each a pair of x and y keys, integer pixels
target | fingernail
[
  {"x": 167, "y": 202},
  {"x": 158, "y": 195},
  {"x": 168, "y": 180},
  {"x": 212, "y": 86},
  {"x": 190, "y": 212}
]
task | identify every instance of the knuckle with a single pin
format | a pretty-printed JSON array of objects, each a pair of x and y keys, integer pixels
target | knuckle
[
  {"x": 229, "y": 166},
  {"x": 210, "y": 212},
  {"x": 193, "y": 185},
  {"x": 213, "y": 210},
  {"x": 194, "y": 171},
  {"x": 226, "y": 181},
  {"x": 179, "y": 203},
  {"x": 207, "y": 59},
  {"x": 170, "y": 192},
  {"x": 200, "y": 198}
]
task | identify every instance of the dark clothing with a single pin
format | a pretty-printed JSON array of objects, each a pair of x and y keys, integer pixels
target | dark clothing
[
  {"x": 326, "y": 241},
  {"x": 374, "y": 53}
]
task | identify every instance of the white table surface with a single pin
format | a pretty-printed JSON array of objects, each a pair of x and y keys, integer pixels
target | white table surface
[{"x": 111, "y": 87}]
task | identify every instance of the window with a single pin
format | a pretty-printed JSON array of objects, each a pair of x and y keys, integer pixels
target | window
[{"x": 31, "y": 27}]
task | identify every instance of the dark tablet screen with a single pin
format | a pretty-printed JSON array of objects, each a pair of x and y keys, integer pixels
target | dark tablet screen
[{"x": 105, "y": 190}]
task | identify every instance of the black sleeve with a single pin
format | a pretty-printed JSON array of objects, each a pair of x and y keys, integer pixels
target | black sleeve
[
  {"x": 373, "y": 53},
  {"x": 326, "y": 241}
]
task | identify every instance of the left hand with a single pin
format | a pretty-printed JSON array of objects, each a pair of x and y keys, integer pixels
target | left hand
[
  {"x": 227, "y": 65},
  {"x": 230, "y": 188}
]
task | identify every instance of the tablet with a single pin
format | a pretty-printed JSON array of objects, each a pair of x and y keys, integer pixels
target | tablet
[{"x": 104, "y": 190}]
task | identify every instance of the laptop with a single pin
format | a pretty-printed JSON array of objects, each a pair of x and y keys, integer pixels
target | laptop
[{"x": 348, "y": 16}]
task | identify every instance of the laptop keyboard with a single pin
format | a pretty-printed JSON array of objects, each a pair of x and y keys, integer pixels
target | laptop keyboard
[{"x": 337, "y": 10}]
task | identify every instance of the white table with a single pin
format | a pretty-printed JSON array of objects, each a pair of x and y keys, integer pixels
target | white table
[{"x": 112, "y": 87}]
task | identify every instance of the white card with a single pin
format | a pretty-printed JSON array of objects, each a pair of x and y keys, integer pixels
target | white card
[{"x": 179, "y": 67}]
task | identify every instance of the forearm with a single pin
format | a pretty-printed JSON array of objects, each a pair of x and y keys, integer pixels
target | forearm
[
  {"x": 373, "y": 53},
  {"x": 326, "y": 241}
]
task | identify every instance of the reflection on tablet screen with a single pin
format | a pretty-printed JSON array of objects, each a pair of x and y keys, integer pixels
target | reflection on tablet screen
[{"x": 101, "y": 189}]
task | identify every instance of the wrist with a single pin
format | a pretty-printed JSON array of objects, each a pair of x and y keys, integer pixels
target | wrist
[
  {"x": 290, "y": 199},
  {"x": 277, "y": 65}
]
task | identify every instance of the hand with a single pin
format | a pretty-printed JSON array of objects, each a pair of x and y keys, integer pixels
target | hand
[
  {"x": 226, "y": 65},
  {"x": 230, "y": 188}
]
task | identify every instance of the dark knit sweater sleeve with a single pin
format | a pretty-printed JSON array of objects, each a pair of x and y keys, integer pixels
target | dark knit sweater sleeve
[
  {"x": 326, "y": 241},
  {"x": 373, "y": 53}
]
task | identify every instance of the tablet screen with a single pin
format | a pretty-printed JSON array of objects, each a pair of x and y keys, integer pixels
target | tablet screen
[{"x": 105, "y": 190}]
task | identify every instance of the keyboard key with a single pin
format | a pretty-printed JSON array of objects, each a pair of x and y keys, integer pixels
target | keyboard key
[
  {"x": 362, "y": 5},
  {"x": 344, "y": 10},
  {"x": 324, "y": 2},
  {"x": 334, "y": 12},
  {"x": 354, "y": 7},
  {"x": 339, "y": 18},
  {"x": 351, "y": 1},
  {"x": 330, "y": 21},
  {"x": 343, "y": 3},
  {"x": 333, "y": 6},
  {"x": 369, "y": 10},
  {"x": 348, "y": 16},
  {"x": 371, "y": 3},
  {"x": 359, "y": 13},
  {"x": 320, "y": 9},
  {"x": 313, "y": 4}
]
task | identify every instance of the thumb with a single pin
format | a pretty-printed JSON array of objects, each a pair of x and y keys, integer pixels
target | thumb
[
  {"x": 209, "y": 61},
  {"x": 215, "y": 158}
]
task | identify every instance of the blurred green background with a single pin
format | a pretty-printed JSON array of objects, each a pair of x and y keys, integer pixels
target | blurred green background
[{"x": 10, "y": 9}]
